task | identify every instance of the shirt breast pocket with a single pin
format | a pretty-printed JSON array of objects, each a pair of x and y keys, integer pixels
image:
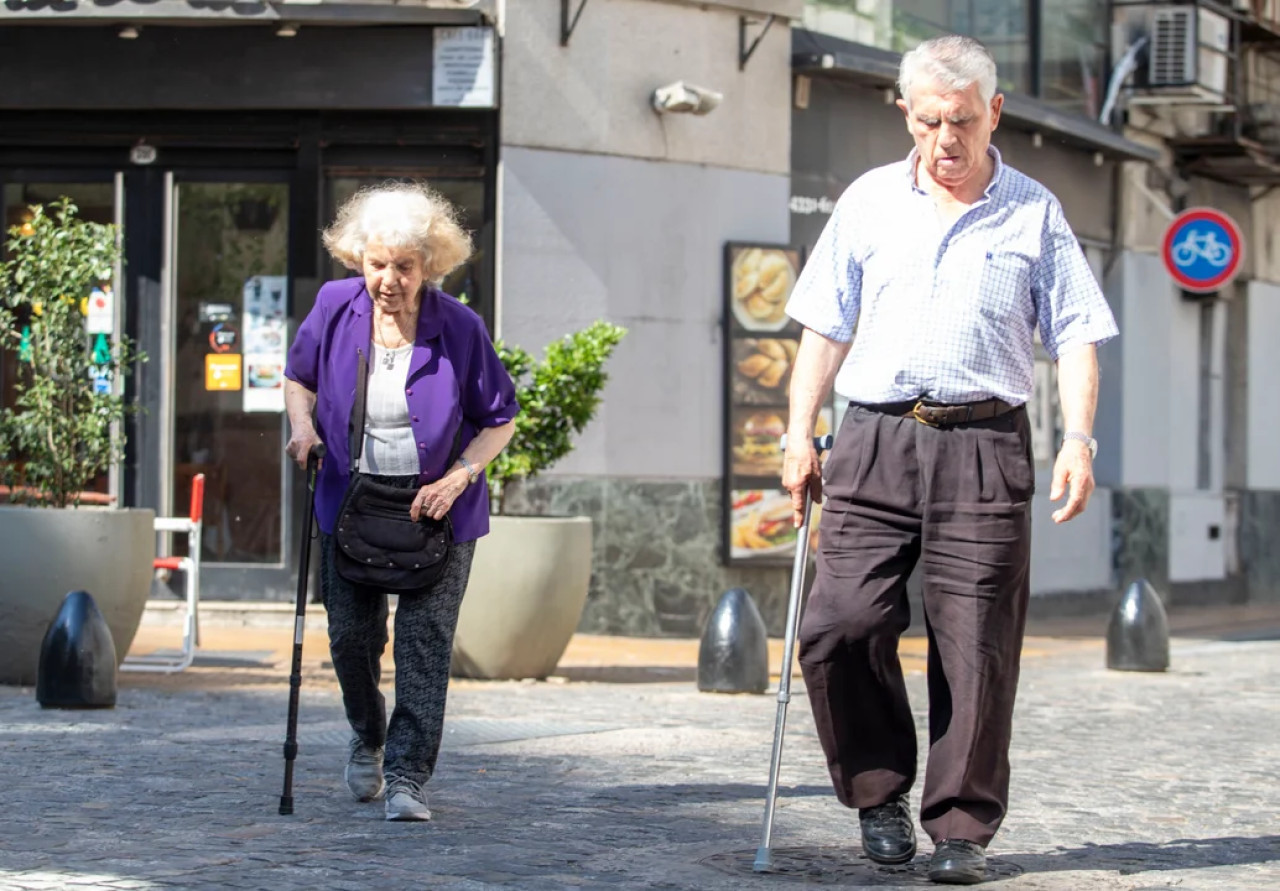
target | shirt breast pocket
[{"x": 1005, "y": 284}]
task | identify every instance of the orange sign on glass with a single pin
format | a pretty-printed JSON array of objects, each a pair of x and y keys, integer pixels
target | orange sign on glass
[{"x": 222, "y": 371}]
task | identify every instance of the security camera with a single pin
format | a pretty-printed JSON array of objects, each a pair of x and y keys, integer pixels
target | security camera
[{"x": 683, "y": 97}]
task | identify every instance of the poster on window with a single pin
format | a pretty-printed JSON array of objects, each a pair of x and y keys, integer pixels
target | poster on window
[
  {"x": 264, "y": 342},
  {"x": 761, "y": 342}
]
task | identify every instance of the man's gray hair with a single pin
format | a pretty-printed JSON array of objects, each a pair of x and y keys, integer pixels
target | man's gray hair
[{"x": 953, "y": 61}]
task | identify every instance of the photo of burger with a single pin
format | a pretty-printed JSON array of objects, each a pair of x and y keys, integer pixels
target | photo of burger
[
  {"x": 757, "y": 444},
  {"x": 757, "y": 441}
]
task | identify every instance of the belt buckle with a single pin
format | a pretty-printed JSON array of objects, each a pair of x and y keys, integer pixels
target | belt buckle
[{"x": 915, "y": 413}]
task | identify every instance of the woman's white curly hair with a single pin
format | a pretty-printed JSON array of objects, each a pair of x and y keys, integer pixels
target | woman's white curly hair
[{"x": 400, "y": 215}]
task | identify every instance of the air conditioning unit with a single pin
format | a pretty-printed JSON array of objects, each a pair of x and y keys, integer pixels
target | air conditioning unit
[{"x": 1187, "y": 57}]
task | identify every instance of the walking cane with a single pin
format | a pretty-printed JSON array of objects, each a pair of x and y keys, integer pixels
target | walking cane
[
  {"x": 764, "y": 856},
  {"x": 299, "y": 622}
]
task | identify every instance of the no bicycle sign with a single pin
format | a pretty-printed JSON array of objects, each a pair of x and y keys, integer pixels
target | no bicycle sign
[{"x": 1203, "y": 249}]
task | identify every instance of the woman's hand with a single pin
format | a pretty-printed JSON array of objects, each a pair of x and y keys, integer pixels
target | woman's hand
[
  {"x": 435, "y": 499},
  {"x": 302, "y": 439}
]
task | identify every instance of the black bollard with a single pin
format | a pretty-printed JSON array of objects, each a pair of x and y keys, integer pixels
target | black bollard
[
  {"x": 77, "y": 658},
  {"x": 734, "y": 654},
  {"x": 1138, "y": 636}
]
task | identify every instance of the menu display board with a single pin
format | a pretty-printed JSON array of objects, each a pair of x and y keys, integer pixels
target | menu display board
[{"x": 761, "y": 342}]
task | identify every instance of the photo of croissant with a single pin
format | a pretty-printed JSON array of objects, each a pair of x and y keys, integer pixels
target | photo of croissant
[
  {"x": 760, "y": 282},
  {"x": 762, "y": 369}
]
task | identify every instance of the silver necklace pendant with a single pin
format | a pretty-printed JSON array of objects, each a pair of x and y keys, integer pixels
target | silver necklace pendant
[{"x": 388, "y": 359}]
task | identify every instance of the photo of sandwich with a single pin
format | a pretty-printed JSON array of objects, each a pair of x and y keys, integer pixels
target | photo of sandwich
[{"x": 761, "y": 525}]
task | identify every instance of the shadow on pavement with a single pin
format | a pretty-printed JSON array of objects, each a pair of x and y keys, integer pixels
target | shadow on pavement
[{"x": 1137, "y": 857}]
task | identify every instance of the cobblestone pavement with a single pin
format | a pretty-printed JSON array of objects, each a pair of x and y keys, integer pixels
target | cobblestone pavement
[{"x": 1121, "y": 781}]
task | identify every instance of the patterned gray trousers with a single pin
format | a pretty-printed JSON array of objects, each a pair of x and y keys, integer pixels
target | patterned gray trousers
[{"x": 425, "y": 622}]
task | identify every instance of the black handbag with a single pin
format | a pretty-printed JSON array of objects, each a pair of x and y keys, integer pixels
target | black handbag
[{"x": 378, "y": 545}]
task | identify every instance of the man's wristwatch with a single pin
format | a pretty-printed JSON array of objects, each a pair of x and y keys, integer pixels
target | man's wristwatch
[
  {"x": 1084, "y": 438},
  {"x": 472, "y": 473}
]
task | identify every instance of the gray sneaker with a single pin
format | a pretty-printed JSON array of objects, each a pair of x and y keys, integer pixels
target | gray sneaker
[
  {"x": 406, "y": 800},
  {"x": 364, "y": 771}
]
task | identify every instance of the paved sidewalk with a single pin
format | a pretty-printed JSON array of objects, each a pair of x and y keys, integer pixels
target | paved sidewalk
[{"x": 617, "y": 773}]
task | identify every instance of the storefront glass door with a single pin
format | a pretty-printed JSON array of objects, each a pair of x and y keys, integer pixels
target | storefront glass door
[{"x": 226, "y": 274}]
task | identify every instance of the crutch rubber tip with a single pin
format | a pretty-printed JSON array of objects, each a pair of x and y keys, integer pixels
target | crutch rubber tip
[
  {"x": 764, "y": 860},
  {"x": 286, "y": 807}
]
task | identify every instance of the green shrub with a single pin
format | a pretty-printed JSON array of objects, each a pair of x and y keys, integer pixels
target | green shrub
[
  {"x": 558, "y": 398},
  {"x": 59, "y": 432}
]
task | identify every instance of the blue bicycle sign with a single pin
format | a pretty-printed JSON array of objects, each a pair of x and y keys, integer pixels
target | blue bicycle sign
[{"x": 1202, "y": 249}]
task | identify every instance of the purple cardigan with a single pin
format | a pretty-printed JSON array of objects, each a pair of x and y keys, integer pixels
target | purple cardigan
[{"x": 455, "y": 378}]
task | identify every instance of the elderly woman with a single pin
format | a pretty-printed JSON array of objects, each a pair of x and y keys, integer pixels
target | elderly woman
[{"x": 436, "y": 389}]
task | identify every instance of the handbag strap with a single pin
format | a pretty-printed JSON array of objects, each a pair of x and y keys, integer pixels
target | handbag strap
[
  {"x": 355, "y": 426},
  {"x": 355, "y": 431}
]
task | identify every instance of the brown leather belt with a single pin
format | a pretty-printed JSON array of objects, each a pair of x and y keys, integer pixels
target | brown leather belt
[{"x": 933, "y": 414}]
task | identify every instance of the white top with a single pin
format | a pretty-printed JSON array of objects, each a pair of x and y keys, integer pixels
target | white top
[
  {"x": 389, "y": 449},
  {"x": 948, "y": 312}
]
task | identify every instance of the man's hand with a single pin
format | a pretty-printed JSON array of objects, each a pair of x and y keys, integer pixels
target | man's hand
[
  {"x": 1073, "y": 468},
  {"x": 801, "y": 470}
]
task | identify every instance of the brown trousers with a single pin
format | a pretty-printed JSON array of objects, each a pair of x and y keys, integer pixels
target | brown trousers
[{"x": 957, "y": 499}]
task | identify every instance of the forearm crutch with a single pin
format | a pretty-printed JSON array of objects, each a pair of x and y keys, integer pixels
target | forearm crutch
[
  {"x": 764, "y": 856},
  {"x": 299, "y": 624}
]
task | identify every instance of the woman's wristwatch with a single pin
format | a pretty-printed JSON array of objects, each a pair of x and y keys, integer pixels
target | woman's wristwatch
[{"x": 472, "y": 473}]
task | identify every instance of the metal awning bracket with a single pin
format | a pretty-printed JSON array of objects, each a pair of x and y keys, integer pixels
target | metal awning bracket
[
  {"x": 567, "y": 22},
  {"x": 745, "y": 23}
]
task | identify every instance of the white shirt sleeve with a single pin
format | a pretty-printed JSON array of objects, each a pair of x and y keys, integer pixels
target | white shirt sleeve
[{"x": 828, "y": 295}]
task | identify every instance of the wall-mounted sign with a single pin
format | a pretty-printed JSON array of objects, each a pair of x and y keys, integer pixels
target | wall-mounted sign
[
  {"x": 264, "y": 342},
  {"x": 462, "y": 73},
  {"x": 100, "y": 312},
  {"x": 216, "y": 312},
  {"x": 1203, "y": 249},
  {"x": 143, "y": 154},
  {"x": 222, "y": 371},
  {"x": 761, "y": 342},
  {"x": 223, "y": 338}
]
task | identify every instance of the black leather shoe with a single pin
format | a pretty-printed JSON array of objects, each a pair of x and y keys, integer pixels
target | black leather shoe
[
  {"x": 888, "y": 835},
  {"x": 958, "y": 862}
]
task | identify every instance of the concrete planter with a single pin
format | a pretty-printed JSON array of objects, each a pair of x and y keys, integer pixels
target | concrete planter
[
  {"x": 524, "y": 599},
  {"x": 46, "y": 552}
]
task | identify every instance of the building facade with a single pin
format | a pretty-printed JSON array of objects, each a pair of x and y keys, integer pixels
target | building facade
[{"x": 224, "y": 136}]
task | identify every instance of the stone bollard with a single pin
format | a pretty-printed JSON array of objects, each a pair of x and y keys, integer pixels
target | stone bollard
[
  {"x": 1138, "y": 636},
  {"x": 734, "y": 654},
  {"x": 77, "y": 658}
]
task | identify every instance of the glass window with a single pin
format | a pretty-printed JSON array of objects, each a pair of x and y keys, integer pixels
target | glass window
[
  {"x": 1073, "y": 50},
  {"x": 231, "y": 241},
  {"x": 898, "y": 25}
]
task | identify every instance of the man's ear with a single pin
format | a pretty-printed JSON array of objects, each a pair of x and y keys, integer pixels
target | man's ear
[
  {"x": 906, "y": 112},
  {"x": 997, "y": 104}
]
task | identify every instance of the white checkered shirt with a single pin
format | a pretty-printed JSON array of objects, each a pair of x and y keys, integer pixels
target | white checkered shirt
[{"x": 948, "y": 314}]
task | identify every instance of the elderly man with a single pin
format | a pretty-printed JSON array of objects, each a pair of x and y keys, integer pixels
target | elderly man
[{"x": 945, "y": 263}]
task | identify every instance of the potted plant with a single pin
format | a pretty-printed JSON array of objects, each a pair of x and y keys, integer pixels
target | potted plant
[
  {"x": 530, "y": 577},
  {"x": 59, "y": 435}
]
